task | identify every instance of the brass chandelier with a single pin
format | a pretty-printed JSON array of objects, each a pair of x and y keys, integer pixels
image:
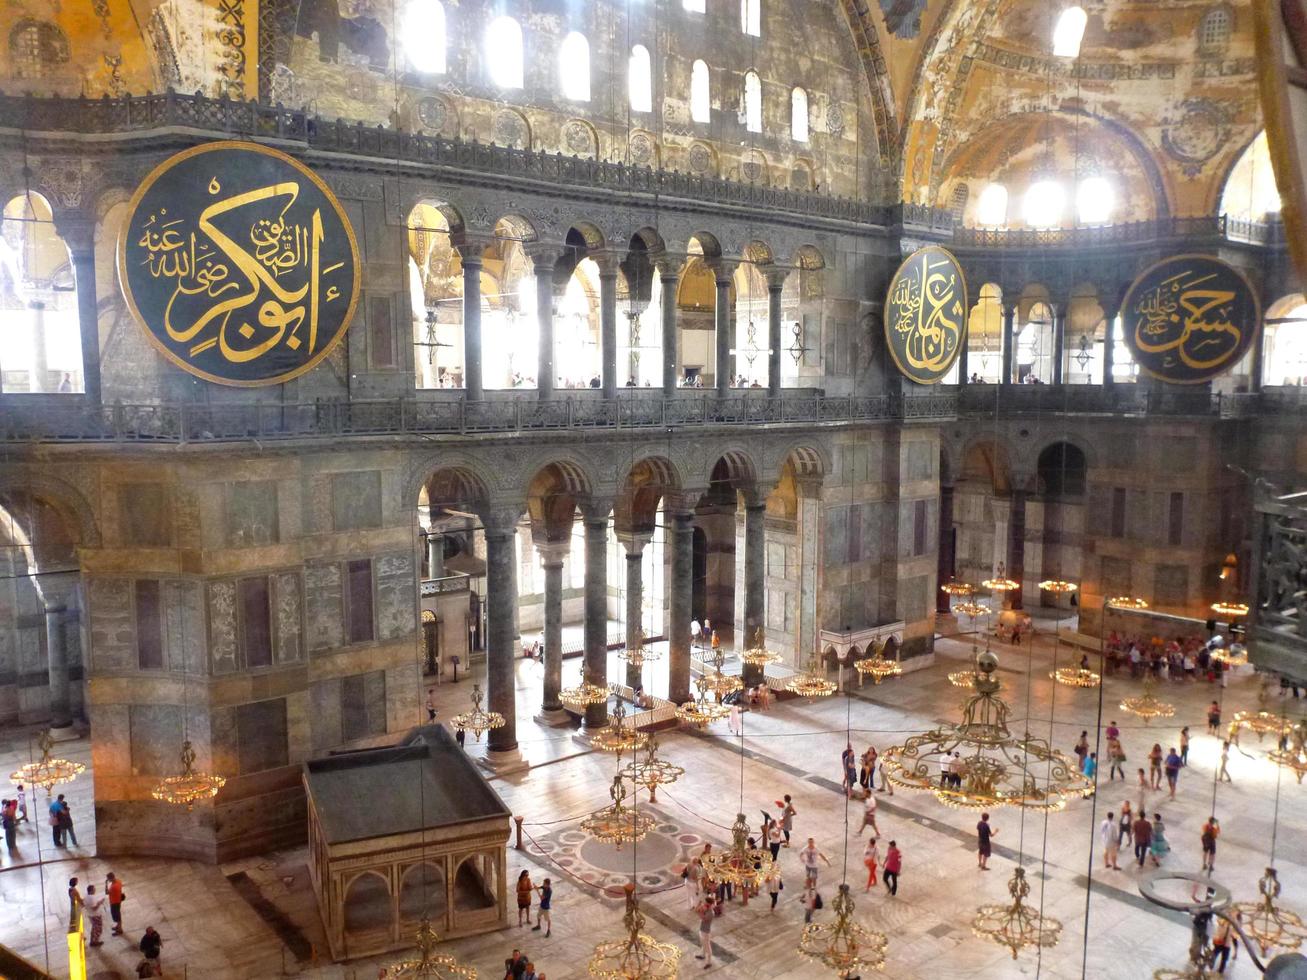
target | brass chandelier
[
  {"x": 639, "y": 655},
  {"x": 1058, "y": 586},
  {"x": 1000, "y": 582},
  {"x": 429, "y": 965},
  {"x": 971, "y": 609},
  {"x": 843, "y": 945},
  {"x": 616, "y": 736},
  {"x": 1126, "y": 602},
  {"x": 1147, "y": 706},
  {"x": 653, "y": 771},
  {"x": 190, "y": 785},
  {"x": 1263, "y": 723},
  {"x": 1016, "y": 925},
  {"x": 1293, "y": 756},
  {"x": 963, "y": 678},
  {"x": 1076, "y": 677},
  {"x": 758, "y": 655},
  {"x": 47, "y": 773},
  {"x": 811, "y": 683},
  {"x": 1234, "y": 655},
  {"x": 740, "y": 864},
  {"x": 477, "y": 721},
  {"x": 1268, "y": 923},
  {"x": 878, "y": 665},
  {"x": 617, "y": 823},
  {"x": 997, "y": 767},
  {"x": 718, "y": 684},
  {"x": 637, "y": 955},
  {"x": 1230, "y": 610},
  {"x": 583, "y": 695},
  {"x": 701, "y": 712},
  {"x": 955, "y": 588}
]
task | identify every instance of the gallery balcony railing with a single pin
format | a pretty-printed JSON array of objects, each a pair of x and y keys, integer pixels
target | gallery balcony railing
[
  {"x": 139, "y": 114},
  {"x": 67, "y": 418},
  {"x": 942, "y": 223},
  {"x": 1120, "y": 399}
]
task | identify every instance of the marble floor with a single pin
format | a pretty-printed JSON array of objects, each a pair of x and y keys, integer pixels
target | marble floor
[{"x": 256, "y": 918}]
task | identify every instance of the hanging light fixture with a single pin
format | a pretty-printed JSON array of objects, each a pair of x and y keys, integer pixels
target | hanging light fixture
[
  {"x": 758, "y": 655},
  {"x": 1016, "y": 925},
  {"x": 652, "y": 772},
  {"x": 1000, "y": 582},
  {"x": 1058, "y": 586},
  {"x": 429, "y": 965},
  {"x": 583, "y": 695},
  {"x": 1263, "y": 723},
  {"x": 739, "y": 864},
  {"x": 955, "y": 588},
  {"x": 477, "y": 721},
  {"x": 617, "y": 823},
  {"x": 997, "y": 766},
  {"x": 190, "y": 785},
  {"x": 878, "y": 665},
  {"x": 1076, "y": 677},
  {"x": 971, "y": 609},
  {"x": 701, "y": 713},
  {"x": 843, "y": 945},
  {"x": 1126, "y": 602},
  {"x": 811, "y": 683},
  {"x": 963, "y": 678},
  {"x": 637, "y": 955},
  {"x": 1293, "y": 755},
  {"x": 48, "y": 772},
  {"x": 639, "y": 655},
  {"x": 1272, "y": 926},
  {"x": 717, "y": 683},
  {"x": 1230, "y": 610},
  {"x": 1234, "y": 655},
  {"x": 616, "y": 736},
  {"x": 1147, "y": 706}
]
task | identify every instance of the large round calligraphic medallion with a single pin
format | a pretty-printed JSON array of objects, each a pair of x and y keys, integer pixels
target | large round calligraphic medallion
[
  {"x": 1189, "y": 318},
  {"x": 239, "y": 263},
  {"x": 926, "y": 314}
]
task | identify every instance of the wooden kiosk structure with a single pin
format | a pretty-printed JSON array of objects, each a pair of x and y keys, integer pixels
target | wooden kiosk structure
[{"x": 400, "y": 833}]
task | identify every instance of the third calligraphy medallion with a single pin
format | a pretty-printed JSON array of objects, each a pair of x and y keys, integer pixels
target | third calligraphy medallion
[
  {"x": 926, "y": 314},
  {"x": 239, "y": 263},
  {"x": 1189, "y": 318}
]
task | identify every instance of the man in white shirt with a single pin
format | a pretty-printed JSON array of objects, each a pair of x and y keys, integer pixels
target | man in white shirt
[
  {"x": 1109, "y": 834},
  {"x": 869, "y": 816},
  {"x": 809, "y": 856},
  {"x": 94, "y": 906}
]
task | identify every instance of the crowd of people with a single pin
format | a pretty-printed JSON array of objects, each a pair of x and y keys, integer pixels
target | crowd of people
[{"x": 1187, "y": 658}]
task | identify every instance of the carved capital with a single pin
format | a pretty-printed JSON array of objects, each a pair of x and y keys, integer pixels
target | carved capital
[
  {"x": 471, "y": 245},
  {"x": 595, "y": 508},
  {"x": 553, "y": 552},
  {"x": 775, "y": 275},
  {"x": 544, "y": 255},
  {"x": 681, "y": 503},
  {"x": 501, "y": 517},
  {"x": 610, "y": 263}
]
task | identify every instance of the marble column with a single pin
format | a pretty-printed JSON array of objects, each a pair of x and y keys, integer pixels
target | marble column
[
  {"x": 56, "y": 641},
  {"x": 501, "y": 643},
  {"x": 1016, "y": 553},
  {"x": 435, "y": 554},
  {"x": 723, "y": 329},
  {"x": 755, "y": 510},
  {"x": 544, "y": 260},
  {"x": 1109, "y": 345},
  {"x": 38, "y": 376},
  {"x": 946, "y": 559},
  {"x": 671, "y": 279},
  {"x": 608, "y": 269},
  {"x": 1009, "y": 343},
  {"x": 596, "y": 604},
  {"x": 551, "y": 557},
  {"x": 963, "y": 376},
  {"x": 634, "y": 544},
  {"x": 470, "y": 253},
  {"x": 775, "y": 285},
  {"x": 1059, "y": 341},
  {"x": 681, "y": 526},
  {"x": 79, "y": 236}
]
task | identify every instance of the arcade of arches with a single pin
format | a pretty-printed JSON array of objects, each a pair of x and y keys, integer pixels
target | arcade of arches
[{"x": 613, "y": 404}]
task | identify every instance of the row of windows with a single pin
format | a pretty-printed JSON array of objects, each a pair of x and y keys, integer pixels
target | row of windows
[
  {"x": 424, "y": 31},
  {"x": 1213, "y": 31},
  {"x": 1043, "y": 204}
]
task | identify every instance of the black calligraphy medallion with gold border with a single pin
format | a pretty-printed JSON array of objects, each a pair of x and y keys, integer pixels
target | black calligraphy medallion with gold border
[
  {"x": 1190, "y": 318},
  {"x": 239, "y": 263},
  {"x": 926, "y": 314}
]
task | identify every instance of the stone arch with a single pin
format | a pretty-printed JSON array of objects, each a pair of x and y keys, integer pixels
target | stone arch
[
  {"x": 516, "y": 227},
  {"x": 808, "y": 257},
  {"x": 1061, "y": 468},
  {"x": 643, "y": 486},
  {"x": 474, "y": 886},
  {"x": 453, "y": 216},
  {"x": 66, "y": 500},
  {"x": 811, "y": 460},
  {"x": 466, "y": 475},
  {"x": 366, "y": 903},
  {"x": 988, "y": 460},
  {"x": 759, "y": 252},
  {"x": 708, "y": 244},
  {"x": 734, "y": 465},
  {"x": 422, "y": 892},
  {"x": 552, "y": 496},
  {"x": 591, "y": 235}
]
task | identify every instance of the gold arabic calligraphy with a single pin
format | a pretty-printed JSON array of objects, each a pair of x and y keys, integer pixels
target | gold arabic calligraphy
[
  {"x": 1189, "y": 315},
  {"x": 928, "y": 313},
  {"x": 222, "y": 269}
]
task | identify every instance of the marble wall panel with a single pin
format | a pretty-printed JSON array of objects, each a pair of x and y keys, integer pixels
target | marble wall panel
[
  {"x": 156, "y": 735},
  {"x": 145, "y": 514},
  {"x": 261, "y": 735},
  {"x": 324, "y": 722},
  {"x": 222, "y": 626},
  {"x": 251, "y": 513},
  {"x": 288, "y": 617},
  {"x": 324, "y": 605},
  {"x": 395, "y": 589},
  {"x": 183, "y": 634},
  {"x": 112, "y": 623},
  {"x": 356, "y": 500}
]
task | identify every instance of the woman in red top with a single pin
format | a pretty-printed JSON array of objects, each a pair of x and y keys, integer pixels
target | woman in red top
[{"x": 893, "y": 865}]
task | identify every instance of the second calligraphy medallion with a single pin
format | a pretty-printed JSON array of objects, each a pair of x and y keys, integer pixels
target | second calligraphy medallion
[
  {"x": 239, "y": 263},
  {"x": 926, "y": 314}
]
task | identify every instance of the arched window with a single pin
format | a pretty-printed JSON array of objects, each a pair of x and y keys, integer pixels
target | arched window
[
  {"x": 1043, "y": 204},
  {"x": 574, "y": 67},
  {"x": 1214, "y": 30},
  {"x": 751, "y": 17},
  {"x": 700, "y": 93},
  {"x": 1095, "y": 201},
  {"x": 958, "y": 202},
  {"x": 752, "y": 102},
  {"x": 695, "y": 6},
  {"x": 424, "y": 36},
  {"x": 1250, "y": 192},
  {"x": 991, "y": 209},
  {"x": 639, "y": 79},
  {"x": 799, "y": 114},
  {"x": 1069, "y": 31},
  {"x": 504, "y": 52},
  {"x": 36, "y": 47}
]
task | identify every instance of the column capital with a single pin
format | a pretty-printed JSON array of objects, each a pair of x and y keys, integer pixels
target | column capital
[
  {"x": 723, "y": 270},
  {"x": 755, "y": 498},
  {"x": 609, "y": 262},
  {"x": 500, "y": 517},
  {"x": 682, "y": 502},
  {"x": 595, "y": 507},
  {"x": 553, "y": 552},
  {"x": 669, "y": 265},
  {"x": 470, "y": 245},
  {"x": 77, "y": 232},
  {"x": 776, "y": 276},
  {"x": 634, "y": 542},
  {"x": 546, "y": 253}
]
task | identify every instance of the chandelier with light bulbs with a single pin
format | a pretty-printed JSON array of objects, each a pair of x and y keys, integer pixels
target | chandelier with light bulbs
[
  {"x": 477, "y": 720},
  {"x": 617, "y": 736},
  {"x": 47, "y": 772},
  {"x": 1293, "y": 754},
  {"x": 638, "y": 655},
  {"x": 758, "y": 655},
  {"x": 701, "y": 712},
  {"x": 739, "y": 864},
  {"x": 190, "y": 784},
  {"x": 843, "y": 945},
  {"x": 1076, "y": 677},
  {"x": 583, "y": 695},
  {"x": 652, "y": 772},
  {"x": 1262, "y": 723},
  {"x": 637, "y": 955},
  {"x": 429, "y": 964},
  {"x": 1272, "y": 926},
  {"x": 1147, "y": 705},
  {"x": 1015, "y": 924},
  {"x": 618, "y": 823},
  {"x": 955, "y": 588},
  {"x": 811, "y": 682},
  {"x": 878, "y": 665}
]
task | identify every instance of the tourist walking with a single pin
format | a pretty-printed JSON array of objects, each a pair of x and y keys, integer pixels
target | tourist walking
[
  {"x": 788, "y": 813},
  {"x": 871, "y": 859},
  {"x": 1143, "y": 838},
  {"x": 56, "y": 821},
  {"x": 1160, "y": 847},
  {"x": 1090, "y": 770},
  {"x": 1222, "y": 939},
  {"x": 869, "y": 816},
  {"x": 693, "y": 875},
  {"x": 431, "y": 705},
  {"x": 1082, "y": 750},
  {"x": 1223, "y": 772},
  {"x": 1155, "y": 756},
  {"x": 1211, "y": 830},
  {"x": 893, "y": 865},
  {"x": 706, "y": 910},
  {"x": 151, "y": 948},
  {"x": 10, "y": 823},
  {"x": 774, "y": 839},
  {"x": 1173, "y": 764},
  {"x": 22, "y": 804},
  {"x": 543, "y": 915},
  {"x": 885, "y": 785},
  {"x": 524, "y": 890},
  {"x": 94, "y": 905},
  {"x": 1184, "y": 746},
  {"x": 811, "y": 900},
  {"x": 984, "y": 835},
  {"x": 1111, "y": 838},
  {"x": 113, "y": 891},
  {"x": 848, "y": 761},
  {"x": 808, "y": 857},
  {"x": 66, "y": 822},
  {"x": 1213, "y": 718},
  {"x": 75, "y": 903},
  {"x": 1126, "y": 825},
  {"x": 774, "y": 886},
  {"x": 1115, "y": 757}
]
